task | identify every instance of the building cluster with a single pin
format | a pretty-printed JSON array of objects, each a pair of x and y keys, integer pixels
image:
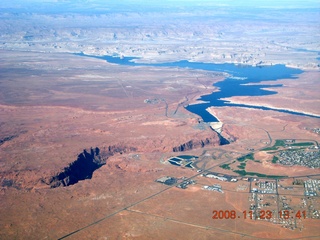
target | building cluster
[
  {"x": 215, "y": 187},
  {"x": 261, "y": 202},
  {"x": 264, "y": 197},
  {"x": 250, "y": 179},
  {"x": 316, "y": 213},
  {"x": 224, "y": 178},
  {"x": 312, "y": 206},
  {"x": 153, "y": 101},
  {"x": 311, "y": 186},
  {"x": 257, "y": 204},
  {"x": 290, "y": 223},
  {"x": 185, "y": 183},
  {"x": 316, "y": 130},
  {"x": 167, "y": 180},
  {"x": 265, "y": 187},
  {"x": 285, "y": 203},
  {"x": 300, "y": 157},
  {"x": 172, "y": 181}
]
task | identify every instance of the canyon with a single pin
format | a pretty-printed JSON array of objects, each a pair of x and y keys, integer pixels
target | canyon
[{"x": 83, "y": 140}]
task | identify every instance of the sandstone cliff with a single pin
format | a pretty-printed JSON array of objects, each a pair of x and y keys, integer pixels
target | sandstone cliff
[
  {"x": 200, "y": 141},
  {"x": 83, "y": 168}
]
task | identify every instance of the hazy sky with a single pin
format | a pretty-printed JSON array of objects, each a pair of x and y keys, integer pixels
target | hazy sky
[{"x": 91, "y": 4}]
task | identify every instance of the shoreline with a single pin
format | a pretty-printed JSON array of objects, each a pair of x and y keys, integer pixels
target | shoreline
[
  {"x": 209, "y": 110},
  {"x": 271, "y": 107}
]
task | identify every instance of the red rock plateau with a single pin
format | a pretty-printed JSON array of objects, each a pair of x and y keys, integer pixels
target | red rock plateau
[
  {"x": 48, "y": 118},
  {"x": 83, "y": 141}
]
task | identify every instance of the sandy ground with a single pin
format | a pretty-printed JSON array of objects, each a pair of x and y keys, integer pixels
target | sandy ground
[{"x": 52, "y": 115}]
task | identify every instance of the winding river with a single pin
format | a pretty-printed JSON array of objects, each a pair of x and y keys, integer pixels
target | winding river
[{"x": 242, "y": 80}]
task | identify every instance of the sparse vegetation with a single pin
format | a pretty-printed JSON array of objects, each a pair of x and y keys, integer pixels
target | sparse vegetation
[
  {"x": 302, "y": 144},
  {"x": 275, "y": 159},
  {"x": 246, "y": 157},
  {"x": 278, "y": 143},
  {"x": 297, "y": 182},
  {"x": 245, "y": 173},
  {"x": 282, "y": 143},
  {"x": 225, "y": 166},
  {"x": 241, "y": 172},
  {"x": 242, "y": 166}
]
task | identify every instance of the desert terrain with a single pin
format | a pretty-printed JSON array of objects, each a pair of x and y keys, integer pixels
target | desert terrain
[{"x": 84, "y": 142}]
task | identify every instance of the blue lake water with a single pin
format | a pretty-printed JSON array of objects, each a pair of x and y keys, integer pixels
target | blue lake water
[
  {"x": 174, "y": 163},
  {"x": 244, "y": 81}
]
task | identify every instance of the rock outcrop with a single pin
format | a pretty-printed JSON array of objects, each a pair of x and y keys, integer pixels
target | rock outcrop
[
  {"x": 7, "y": 139},
  {"x": 83, "y": 168},
  {"x": 195, "y": 143},
  {"x": 201, "y": 140},
  {"x": 190, "y": 145},
  {"x": 223, "y": 141}
]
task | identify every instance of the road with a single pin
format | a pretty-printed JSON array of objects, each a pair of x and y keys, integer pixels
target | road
[
  {"x": 136, "y": 203},
  {"x": 204, "y": 169}
]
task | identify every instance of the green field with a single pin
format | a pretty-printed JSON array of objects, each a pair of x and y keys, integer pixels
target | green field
[
  {"x": 246, "y": 157},
  {"x": 275, "y": 159},
  {"x": 242, "y": 166},
  {"x": 225, "y": 166},
  {"x": 245, "y": 173},
  {"x": 278, "y": 143},
  {"x": 302, "y": 144},
  {"x": 282, "y": 143}
]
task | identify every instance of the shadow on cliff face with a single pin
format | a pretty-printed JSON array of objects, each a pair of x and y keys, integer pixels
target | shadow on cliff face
[
  {"x": 192, "y": 144},
  {"x": 223, "y": 141},
  {"x": 83, "y": 168},
  {"x": 80, "y": 169}
]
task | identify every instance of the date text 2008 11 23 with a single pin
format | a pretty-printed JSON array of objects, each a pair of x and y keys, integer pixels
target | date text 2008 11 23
[{"x": 260, "y": 214}]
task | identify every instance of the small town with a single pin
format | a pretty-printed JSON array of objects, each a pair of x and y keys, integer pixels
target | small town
[{"x": 300, "y": 157}]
